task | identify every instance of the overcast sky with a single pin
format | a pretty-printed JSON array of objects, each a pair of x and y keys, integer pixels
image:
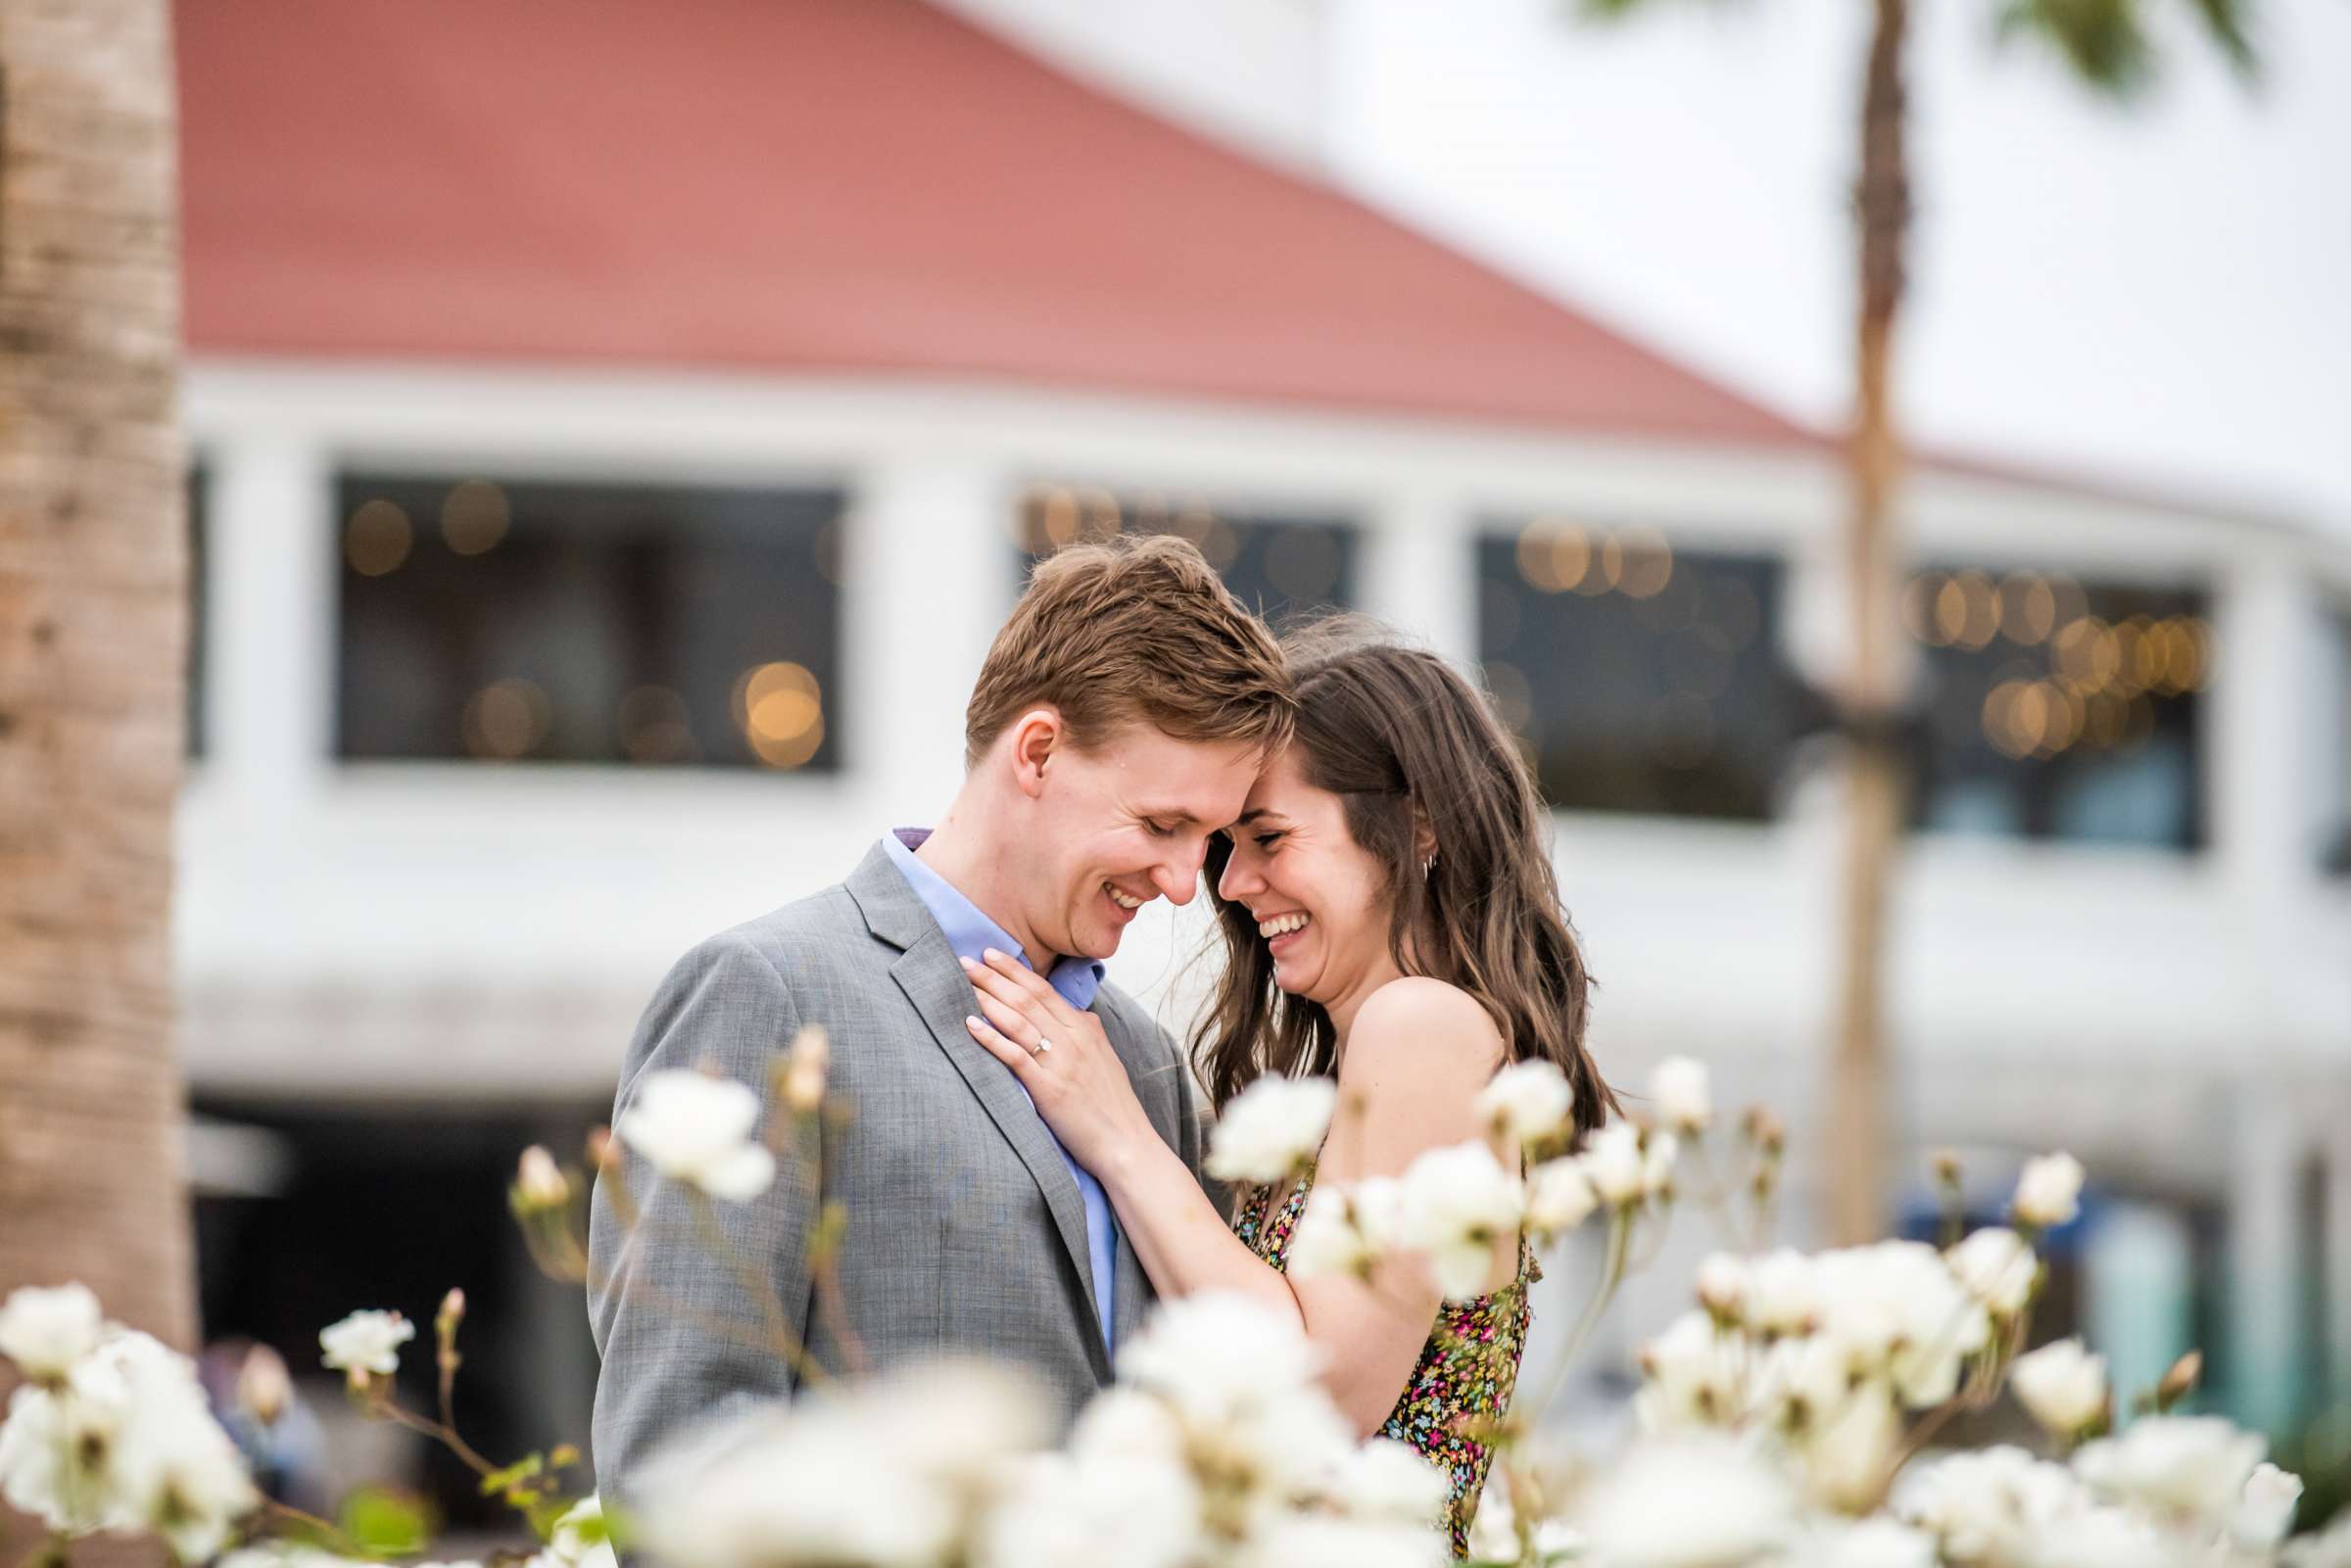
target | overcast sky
[{"x": 2160, "y": 292}]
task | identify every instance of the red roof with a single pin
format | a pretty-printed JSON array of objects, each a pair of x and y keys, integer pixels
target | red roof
[{"x": 823, "y": 185}]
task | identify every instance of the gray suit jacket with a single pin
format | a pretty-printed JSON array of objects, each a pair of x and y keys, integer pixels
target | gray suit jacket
[{"x": 965, "y": 1232}]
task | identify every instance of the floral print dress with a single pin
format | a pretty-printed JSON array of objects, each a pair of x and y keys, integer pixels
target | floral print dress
[{"x": 1465, "y": 1371}]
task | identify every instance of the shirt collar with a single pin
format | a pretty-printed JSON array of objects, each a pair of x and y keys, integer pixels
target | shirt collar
[{"x": 967, "y": 929}]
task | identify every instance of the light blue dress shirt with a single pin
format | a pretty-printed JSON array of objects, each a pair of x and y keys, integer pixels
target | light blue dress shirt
[{"x": 969, "y": 932}]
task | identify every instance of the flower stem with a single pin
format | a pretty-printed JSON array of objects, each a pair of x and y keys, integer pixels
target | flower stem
[{"x": 1620, "y": 1239}]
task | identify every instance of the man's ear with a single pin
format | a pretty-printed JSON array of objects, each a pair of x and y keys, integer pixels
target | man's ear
[{"x": 1037, "y": 735}]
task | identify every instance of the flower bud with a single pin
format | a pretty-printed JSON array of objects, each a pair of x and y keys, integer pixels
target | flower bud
[
  {"x": 1765, "y": 1130},
  {"x": 539, "y": 1183},
  {"x": 452, "y": 1313},
  {"x": 263, "y": 1385},
  {"x": 1722, "y": 1288},
  {"x": 805, "y": 1067},
  {"x": 2063, "y": 1385},
  {"x": 1612, "y": 1164},
  {"x": 1946, "y": 1170},
  {"x": 2048, "y": 1192},
  {"x": 2181, "y": 1381},
  {"x": 1683, "y": 1100}
]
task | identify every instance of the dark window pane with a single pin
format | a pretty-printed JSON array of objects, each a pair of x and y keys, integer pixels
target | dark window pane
[
  {"x": 1641, "y": 679},
  {"x": 588, "y": 623},
  {"x": 2061, "y": 710},
  {"x": 1280, "y": 567}
]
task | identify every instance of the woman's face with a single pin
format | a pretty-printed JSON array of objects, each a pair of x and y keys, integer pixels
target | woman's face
[{"x": 1320, "y": 899}]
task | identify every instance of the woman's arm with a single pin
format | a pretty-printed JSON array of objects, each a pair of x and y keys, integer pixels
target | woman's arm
[{"x": 1418, "y": 1055}]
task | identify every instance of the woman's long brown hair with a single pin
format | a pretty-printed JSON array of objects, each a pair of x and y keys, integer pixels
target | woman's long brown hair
[{"x": 1402, "y": 737}]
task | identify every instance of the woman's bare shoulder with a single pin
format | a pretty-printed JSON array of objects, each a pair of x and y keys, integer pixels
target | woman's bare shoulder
[{"x": 1425, "y": 1029}]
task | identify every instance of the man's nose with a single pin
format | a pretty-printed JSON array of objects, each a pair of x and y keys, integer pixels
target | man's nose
[{"x": 1178, "y": 879}]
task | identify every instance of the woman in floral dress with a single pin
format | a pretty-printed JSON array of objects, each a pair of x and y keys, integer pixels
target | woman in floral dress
[{"x": 1390, "y": 918}]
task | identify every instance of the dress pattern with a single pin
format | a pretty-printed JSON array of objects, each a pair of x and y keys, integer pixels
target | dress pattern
[{"x": 1465, "y": 1371}]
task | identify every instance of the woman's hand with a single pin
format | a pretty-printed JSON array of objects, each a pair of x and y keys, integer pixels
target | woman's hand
[{"x": 1062, "y": 1058}]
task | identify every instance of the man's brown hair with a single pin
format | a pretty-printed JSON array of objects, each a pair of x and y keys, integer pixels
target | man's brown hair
[{"x": 1136, "y": 628}]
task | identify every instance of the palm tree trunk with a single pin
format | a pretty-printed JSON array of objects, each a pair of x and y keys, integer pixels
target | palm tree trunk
[
  {"x": 1856, "y": 1141},
  {"x": 93, "y": 632}
]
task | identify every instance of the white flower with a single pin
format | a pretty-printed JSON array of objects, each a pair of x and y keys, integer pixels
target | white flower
[
  {"x": 1804, "y": 1382},
  {"x": 1985, "y": 1506},
  {"x": 2189, "y": 1468},
  {"x": 1494, "y": 1532},
  {"x": 1998, "y": 1266},
  {"x": 1613, "y": 1161},
  {"x": 2062, "y": 1385},
  {"x": 807, "y": 1484},
  {"x": 1783, "y": 1297},
  {"x": 951, "y": 1417},
  {"x": 1897, "y": 1307},
  {"x": 1215, "y": 1354},
  {"x": 57, "y": 1450},
  {"x": 287, "y": 1555},
  {"x": 1873, "y": 1543},
  {"x": 2103, "y": 1537},
  {"x": 1458, "y": 1202},
  {"x": 581, "y": 1539},
  {"x": 1849, "y": 1450},
  {"x": 696, "y": 1129},
  {"x": 1528, "y": 1101},
  {"x": 1646, "y": 1511},
  {"x": 1272, "y": 1130},
  {"x": 1722, "y": 1286},
  {"x": 2265, "y": 1509},
  {"x": 367, "y": 1342},
  {"x": 1560, "y": 1198},
  {"x": 2330, "y": 1548},
  {"x": 1656, "y": 1165},
  {"x": 1060, "y": 1512},
  {"x": 1347, "y": 1230},
  {"x": 1678, "y": 1086},
  {"x": 1384, "y": 1479},
  {"x": 885, "y": 1474},
  {"x": 1695, "y": 1377},
  {"x": 1126, "y": 1423},
  {"x": 46, "y": 1330},
  {"x": 1494, "y": 1527},
  {"x": 1320, "y": 1540},
  {"x": 2048, "y": 1192},
  {"x": 126, "y": 1442}
]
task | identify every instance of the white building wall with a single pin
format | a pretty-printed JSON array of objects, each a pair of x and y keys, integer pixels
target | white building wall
[{"x": 428, "y": 927}]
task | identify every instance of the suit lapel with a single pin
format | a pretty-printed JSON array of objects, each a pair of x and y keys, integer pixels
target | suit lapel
[{"x": 928, "y": 972}]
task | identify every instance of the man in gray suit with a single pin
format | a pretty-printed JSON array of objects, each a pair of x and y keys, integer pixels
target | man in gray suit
[{"x": 1118, "y": 722}]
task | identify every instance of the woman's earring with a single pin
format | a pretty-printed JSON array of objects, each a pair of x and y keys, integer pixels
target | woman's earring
[{"x": 1428, "y": 865}]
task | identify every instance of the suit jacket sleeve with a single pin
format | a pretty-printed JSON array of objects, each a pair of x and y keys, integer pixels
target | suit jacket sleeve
[
  {"x": 682, "y": 1333},
  {"x": 1192, "y": 1125}
]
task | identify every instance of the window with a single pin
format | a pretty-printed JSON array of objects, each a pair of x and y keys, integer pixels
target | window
[
  {"x": 1640, "y": 678},
  {"x": 2060, "y": 710},
  {"x": 1280, "y": 567},
  {"x": 635, "y": 624}
]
